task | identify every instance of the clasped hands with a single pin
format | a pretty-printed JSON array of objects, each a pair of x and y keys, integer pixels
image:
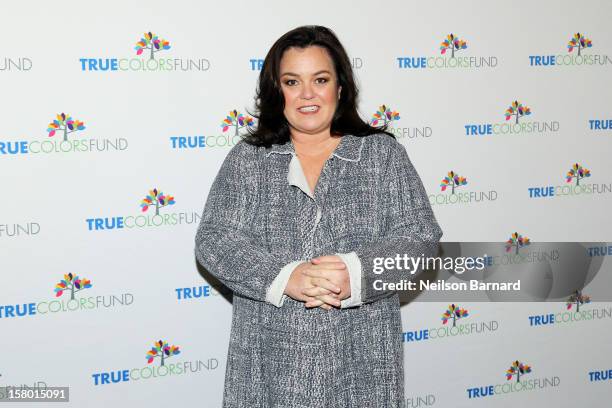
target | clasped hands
[{"x": 322, "y": 282}]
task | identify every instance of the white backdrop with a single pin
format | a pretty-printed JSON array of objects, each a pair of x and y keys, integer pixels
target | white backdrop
[{"x": 134, "y": 119}]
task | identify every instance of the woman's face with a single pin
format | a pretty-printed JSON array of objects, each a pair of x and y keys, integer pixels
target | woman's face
[{"x": 310, "y": 87}]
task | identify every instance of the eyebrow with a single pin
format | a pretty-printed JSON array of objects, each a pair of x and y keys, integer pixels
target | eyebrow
[{"x": 316, "y": 73}]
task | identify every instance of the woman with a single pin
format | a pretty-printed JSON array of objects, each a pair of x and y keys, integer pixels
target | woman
[{"x": 293, "y": 222}]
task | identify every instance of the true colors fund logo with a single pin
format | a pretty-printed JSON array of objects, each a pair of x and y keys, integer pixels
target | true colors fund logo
[
  {"x": 600, "y": 124},
  {"x": 450, "y": 56},
  {"x": 190, "y": 293},
  {"x": 231, "y": 126},
  {"x": 575, "y": 311},
  {"x": 384, "y": 115},
  {"x": 152, "y": 204},
  {"x": 162, "y": 352},
  {"x": 600, "y": 375},
  {"x": 64, "y": 124},
  {"x": 64, "y": 135},
  {"x": 600, "y": 250},
  {"x": 66, "y": 291},
  {"x": 451, "y": 192},
  {"x": 575, "y": 184},
  {"x": 516, "y": 252},
  {"x": 454, "y": 313},
  {"x": 146, "y": 49},
  {"x": 149, "y": 44},
  {"x": 8, "y": 64},
  {"x": 515, "y": 123},
  {"x": 71, "y": 284},
  {"x": 451, "y": 327},
  {"x": 16, "y": 230},
  {"x": 576, "y": 54},
  {"x": 516, "y": 382},
  {"x": 576, "y": 300},
  {"x": 516, "y": 242}
]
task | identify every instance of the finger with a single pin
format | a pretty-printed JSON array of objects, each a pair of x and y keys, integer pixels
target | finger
[
  {"x": 326, "y": 284},
  {"x": 318, "y": 303},
  {"x": 315, "y": 272},
  {"x": 330, "y": 300},
  {"x": 317, "y": 291},
  {"x": 314, "y": 302},
  {"x": 334, "y": 278}
]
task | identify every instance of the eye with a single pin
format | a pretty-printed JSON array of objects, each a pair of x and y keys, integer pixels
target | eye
[
  {"x": 287, "y": 82},
  {"x": 324, "y": 80}
]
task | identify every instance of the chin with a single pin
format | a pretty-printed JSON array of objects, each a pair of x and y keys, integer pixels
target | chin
[{"x": 313, "y": 129}]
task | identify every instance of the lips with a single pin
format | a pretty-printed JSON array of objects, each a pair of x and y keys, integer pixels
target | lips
[{"x": 309, "y": 108}]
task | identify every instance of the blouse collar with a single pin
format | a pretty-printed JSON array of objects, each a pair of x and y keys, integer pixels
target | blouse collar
[{"x": 348, "y": 149}]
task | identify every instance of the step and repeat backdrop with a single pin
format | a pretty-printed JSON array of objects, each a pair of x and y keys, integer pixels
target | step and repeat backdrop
[{"x": 116, "y": 117}]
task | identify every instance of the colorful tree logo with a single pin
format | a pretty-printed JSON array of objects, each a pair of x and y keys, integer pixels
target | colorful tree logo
[
  {"x": 72, "y": 283},
  {"x": 579, "y": 42},
  {"x": 151, "y": 42},
  {"x": 517, "y": 110},
  {"x": 162, "y": 350},
  {"x": 65, "y": 123},
  {"x": 384, "y": 115},
  {"x": 577, "y": 299},
  {"x": 453, "y": 44},
  {"x": 158, "y": 199},
  {"x": 455, "y": 313},
  {"x": 578, "y": 172},
  {"x": 453, "y": 180},
  {"x": 517, "y": 368},
  {"x": 237, "y": 120},
  {"x": 516, "y": 241}
]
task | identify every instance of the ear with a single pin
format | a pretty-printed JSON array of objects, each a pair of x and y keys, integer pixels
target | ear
[{"x": 339, "y": 90}]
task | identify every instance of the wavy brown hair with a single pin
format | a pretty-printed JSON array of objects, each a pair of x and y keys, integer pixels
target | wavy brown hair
[{"x": 272, "y": 126}]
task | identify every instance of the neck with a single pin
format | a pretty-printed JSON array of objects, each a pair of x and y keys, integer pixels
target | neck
[{"x": 314, "y": 145}]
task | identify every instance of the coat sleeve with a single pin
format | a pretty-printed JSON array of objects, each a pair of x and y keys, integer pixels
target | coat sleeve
[
  {"x": 225, "y": 243},
  {"x": 411, "y": 229}
]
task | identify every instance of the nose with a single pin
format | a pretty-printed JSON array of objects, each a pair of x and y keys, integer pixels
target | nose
[{"x": 306, "y": 91}]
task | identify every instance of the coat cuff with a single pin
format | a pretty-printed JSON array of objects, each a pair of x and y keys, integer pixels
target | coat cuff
[
  {"x": 275, "y": 294},
  {"x": 353, "y": 265}
]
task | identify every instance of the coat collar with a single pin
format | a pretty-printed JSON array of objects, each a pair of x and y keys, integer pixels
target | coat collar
[{"x": 348, "y": 149}]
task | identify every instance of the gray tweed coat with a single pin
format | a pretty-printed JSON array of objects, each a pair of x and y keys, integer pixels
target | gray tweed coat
[{"x": 373, "y": 204}]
